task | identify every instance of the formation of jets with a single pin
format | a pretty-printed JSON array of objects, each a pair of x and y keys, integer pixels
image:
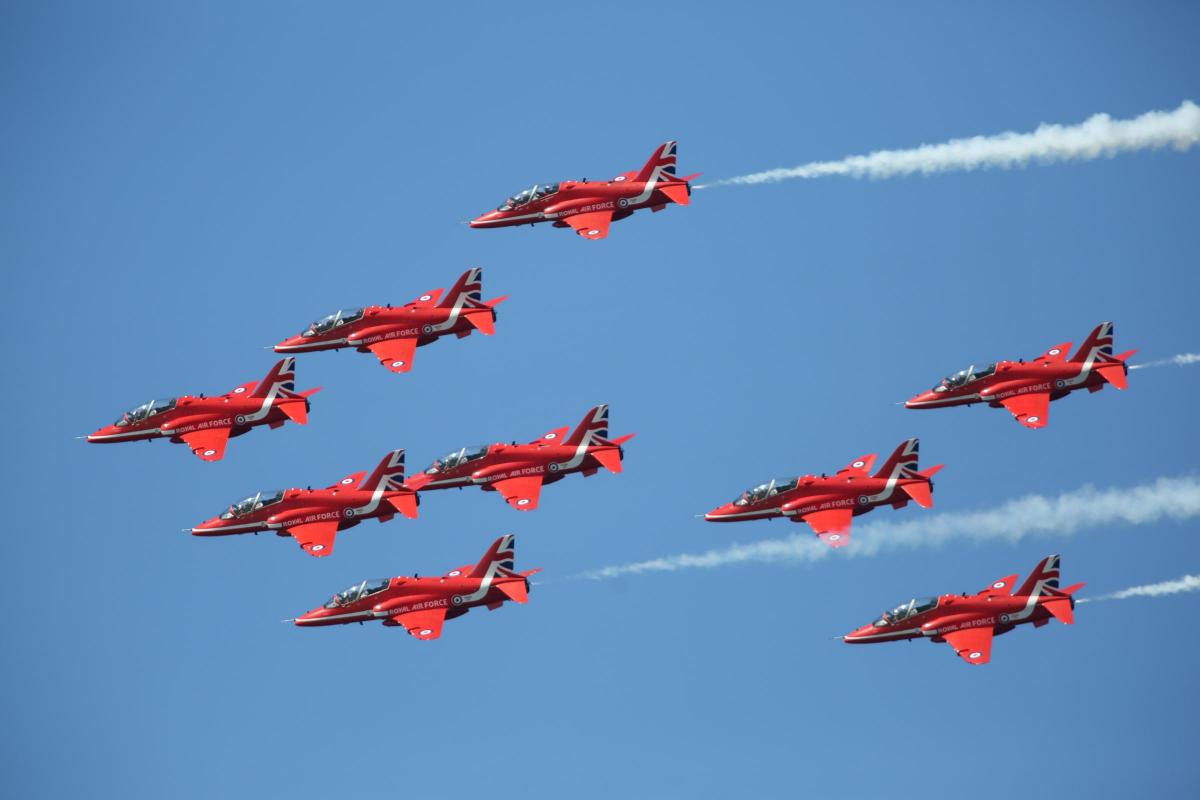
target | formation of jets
[{"x": 517, "y": 472}]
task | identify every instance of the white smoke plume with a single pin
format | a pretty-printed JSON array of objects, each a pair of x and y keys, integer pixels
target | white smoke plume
[
  {"x": 1063, "y": 515},
  {"x": 1098, "y": 136},
  {"x": 1181, "y": 360},
  {"x": 1188, "y": 583}
]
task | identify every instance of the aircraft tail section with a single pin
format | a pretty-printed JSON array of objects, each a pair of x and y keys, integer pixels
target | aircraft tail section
[
  {"x": 1043, "y": 580},
  {"x": 902, "y": 463},
  {"x": 593, "y": 429},
  {"x": 280, "y": 381},
  {"x": 499, "y": 560},
  {"x": 388, "y": 475},
  {"x": 467, "y": 291},
  {"x": 1097, "y": 347},
  {"x": 661, "y": 166}
]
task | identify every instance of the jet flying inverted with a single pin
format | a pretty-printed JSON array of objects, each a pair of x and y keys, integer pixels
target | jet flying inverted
[
  {"x": 518, "y": 471},
  {"x": 422, "y": 605},
  {"x": 828, "y": 503},
  {"x": 968, "y": 622},
  {"x": 1026, "y": 388},
  {"x": 205, "y": 424},
  {"x": 313, "y": 517},
  {"x": 591, "y": 206},
  {"x": 393, "y": 334}
]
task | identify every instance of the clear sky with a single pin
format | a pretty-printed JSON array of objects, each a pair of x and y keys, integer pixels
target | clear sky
[{"x": 184, "y": 184}]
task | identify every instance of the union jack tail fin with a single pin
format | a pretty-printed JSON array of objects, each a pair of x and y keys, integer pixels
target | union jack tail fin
[
  {"x": 467, "y": 292},
  {"x": 903, "y": 462},
  {"x": 1098, "y": 346},
  {"x": 593, "y": 429},
  {"x": 389, "y": 477},
  {"x": 1043, "y": 582},
  {"x": 280, "y": 381},
  {"x": 661, "y": 165},
  {"x": 498, "y": 560}
]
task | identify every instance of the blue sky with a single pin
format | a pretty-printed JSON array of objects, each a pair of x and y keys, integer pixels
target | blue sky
[{"x": 185, "y": 185}]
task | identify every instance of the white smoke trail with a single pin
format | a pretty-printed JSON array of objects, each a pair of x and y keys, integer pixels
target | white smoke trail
[
  {"x": 1065, "y": 514},
  {"x": 1181, "y": 360},
  {"x": 1188, "y": 583},
  {"x": 1100, "y": 135}
]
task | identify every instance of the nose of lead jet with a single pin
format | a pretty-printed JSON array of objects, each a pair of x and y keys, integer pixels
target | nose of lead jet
[
  {"x": 718, "y": 514},
  {"x": 923, "y": 399},
  {"x": 483, "y": 220}
]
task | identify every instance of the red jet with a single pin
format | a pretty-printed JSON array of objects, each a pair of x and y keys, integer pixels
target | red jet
[
  {"x": 394, "y": 334},
  {"x": 517, "y": 471},
  {"x": 830, "y": 503},
  {"x": 591, "y": 206},
  {"x": 1026, "y": 388},
  {"x": 313, "y": 517},
  {"x": 206, "y": 423},
  {"x": 422, "y": 605},
  {"x": 968, "y": 622}
]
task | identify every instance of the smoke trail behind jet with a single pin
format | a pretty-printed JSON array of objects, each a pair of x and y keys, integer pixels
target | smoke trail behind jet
[
  {"x": 1181, "y": 360},
  {"x": 1062, "y": 515},
  {"x": 1188, "y": 583},
  {"x": 1098, "y": 136}
]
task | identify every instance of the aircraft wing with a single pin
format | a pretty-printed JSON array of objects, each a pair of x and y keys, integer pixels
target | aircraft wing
[
  {"x": 591, "y": 225},
  {"x": 1030, "y": 409},
  {"x": 395, "y": 354},
  {"x": 832, "y": 526},
  {"x": 423, "y": 624},
  {"x": 1057, "y": 354},
  {"x": 1001, "y": 588},
  {"x": 553, "y": 437},
  {"x": 859, "y": 466},
  {"x": 208, "y": 444},
  {"x": 973, "y": 644},
  {"x": 316, "y": 538},
  {"x": 428, "y": 299},
  {"x": 521, "y": 493},
  {"x": 349, "y": 482}
]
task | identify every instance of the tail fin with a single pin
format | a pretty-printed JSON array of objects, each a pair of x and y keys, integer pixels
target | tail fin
[
  {"x": 280, "y": 381},
  {"x": 1097, "y": 347},
  {"x": 499, "y": 559},
  {"x": 920, "y": 488},
  {"x": 592, "y": 429},
  {"x": 1061, "y": 604},
  {"x": 1043, "y": 580},
  {"x": 467, "y": 291},
  {"x": 661, "y": 165},
  {"x": 902, "y": 463},
  {"x": 388, "y": 476}
]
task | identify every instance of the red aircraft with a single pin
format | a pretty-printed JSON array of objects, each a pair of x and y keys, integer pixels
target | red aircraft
[
  {"x": 1026, "y": 388},
  {"x": 517, "y": 471},
  {"x": 313, "y": 517},
  {"x": 830, "y": 503},
  {"x": 394, "y": 334},
  {"x": 968, "y": 622},
  {"x": 591, "y": 206},
  {"x": 206, "y": 423},
  {"x": 422, "y": 605}
]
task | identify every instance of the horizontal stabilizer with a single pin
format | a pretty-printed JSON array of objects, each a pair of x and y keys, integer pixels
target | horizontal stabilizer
[
  {"x": 296, "y": 411},
  {"x": 1061, "y": 608},
  {"x": 405, "y": 503},
  {"x": 919, "y": 491},
  {"x": 1114, "y": 373},
  {"x": 609, "y": 458},
  {"x": 482, "y": 319},
  {"x": 678, "y": 192},
  {"x": 515, "y": 590}
]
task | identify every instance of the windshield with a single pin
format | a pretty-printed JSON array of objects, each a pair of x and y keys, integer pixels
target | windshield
[
  {"x": 358, "y": 591},
  {"x": 536, "y": 192},
  {"x": 964, "y": 376},
  {"x": 334, "y": 320},
  {"x": 765, "y": 490},
  {"x": 457, "y": 459},
  {"x": 253, "y": 503},
  {"x": 147, "y": 410},
  {"x": 904, "y": 611}
]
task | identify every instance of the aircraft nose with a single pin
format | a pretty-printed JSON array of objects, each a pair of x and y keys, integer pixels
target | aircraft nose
[
  {"x": 484, "y": 219},
  {"x": 919, "y": 400}
]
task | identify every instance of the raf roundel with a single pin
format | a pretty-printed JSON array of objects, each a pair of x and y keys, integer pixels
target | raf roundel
[
  {"x": 998, "y": 585},
  {"x": 593, "y": 232},
  {"x": 859, "y": 464},
  {"x": 210, "y": 452},
  {"x": 425, "y": 298},
  {"x": 524, "y": 501},
  {"x": 239, "y": 390},
  {"x": 349, "y": 512},
  {"x": 863, "y": 499},
  {"x": 1053, "y": 351},
  {"x": 240, "y": 419},
  {"x": 426, "y": 631},
  {"x": 550, "y": 436},
  {"x": 347, "y": 481},
  {"x": 835, "y": 537},
  {"x": 553, "y": 467},
  {"x": 397, "y": 364},
  {"x": 454, "y": 573},
  {"x": 316, "y": 548},
  {"x": 1034, "y": 418},
  {"x": 976, "y": 654}
]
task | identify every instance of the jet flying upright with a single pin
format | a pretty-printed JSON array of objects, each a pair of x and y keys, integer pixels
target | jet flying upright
[
  {"x": 518, "y": 471},
  {"x": 1026, "y": 388},
  {"x": 829, "y": 503},
  {"x": 206, "y": 424},
  {"x": 422, "y": 605},
  {"x": 313, "y": 517},
  {"x": 591, "y": 206},
  {"x": 969, "y": 622},
  {"x": 393, "y": 334}
]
